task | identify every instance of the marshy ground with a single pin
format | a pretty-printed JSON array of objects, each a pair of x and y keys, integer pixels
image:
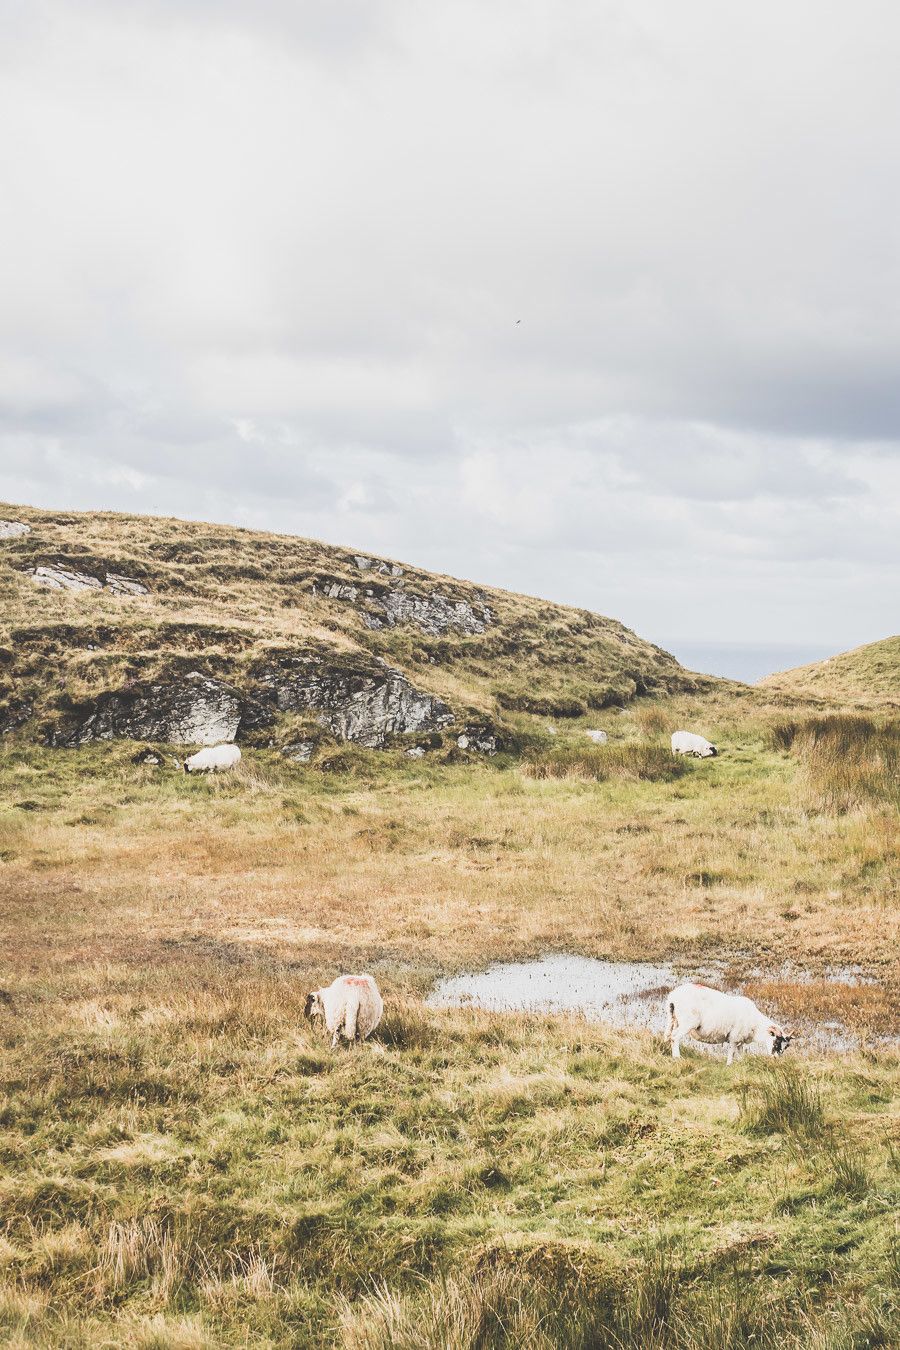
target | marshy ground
[{"x": 186, "y": 1163}]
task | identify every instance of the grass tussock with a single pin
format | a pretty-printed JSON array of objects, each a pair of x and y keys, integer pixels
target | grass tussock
[
  {"x": 635, "y": 761},
  {"x": 784, "y": 1100},
  {"x": 657, "y": 1304},
  {"x": 849, "y": 760}
]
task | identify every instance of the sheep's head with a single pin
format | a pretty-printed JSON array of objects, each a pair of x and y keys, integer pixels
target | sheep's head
[
  {"x": 778, "y": 1040},
  {"x": 313, "y": 1006}
]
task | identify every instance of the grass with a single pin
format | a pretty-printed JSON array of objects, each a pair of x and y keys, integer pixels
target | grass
[
  {"x": 184, "y": 1162},
  {"x": 849, "y": 760},
  {"x": 867, "y": 677},
  {"x": 785, "y": 1101}
]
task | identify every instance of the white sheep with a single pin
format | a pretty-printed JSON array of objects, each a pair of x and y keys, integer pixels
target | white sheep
[
  {"x": 350, "y": 1006},
  {"x": 213, "y": 759},
  {"x": 715, "y": 1018},
  {"x": 689, "y": 743}
]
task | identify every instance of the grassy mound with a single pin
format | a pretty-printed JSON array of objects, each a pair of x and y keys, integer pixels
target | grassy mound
[{"x": 867, "y": 676}]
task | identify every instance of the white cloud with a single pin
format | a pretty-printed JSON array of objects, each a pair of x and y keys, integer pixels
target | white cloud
[{"x": 265, "y": 263}]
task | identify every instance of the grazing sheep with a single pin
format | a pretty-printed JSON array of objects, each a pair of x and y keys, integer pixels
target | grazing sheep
[
  {"x": 689, "y": 743},
  {"x": 351, "y": 1007},
  {"x": 213, "y": 758},
  {"x": 708, "y": 1015}
]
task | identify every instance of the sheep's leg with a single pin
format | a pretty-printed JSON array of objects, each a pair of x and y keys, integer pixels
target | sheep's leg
[
  {"x": 730, "y": 1056},
  {"x": 677, "y": 1038},
  {"x": 335, "y": 1038}
]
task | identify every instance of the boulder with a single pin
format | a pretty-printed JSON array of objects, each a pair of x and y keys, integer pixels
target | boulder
[
  {"x": 13, "y": 529},
  {"x": 598, "y": 737},
  {"x": 193, "y": 711},
  {"x": 366, "y": 706}
]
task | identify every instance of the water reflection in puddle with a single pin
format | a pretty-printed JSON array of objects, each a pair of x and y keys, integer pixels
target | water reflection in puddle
[{"x": 620, "y": 993}]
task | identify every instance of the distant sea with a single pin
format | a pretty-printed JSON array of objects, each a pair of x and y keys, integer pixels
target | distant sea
[{"x": 743, "y": 660}]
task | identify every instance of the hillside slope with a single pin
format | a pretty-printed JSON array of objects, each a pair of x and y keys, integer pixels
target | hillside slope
[
  {"x": 868, "y": 676},
  {"x": 165, "y": 630}
]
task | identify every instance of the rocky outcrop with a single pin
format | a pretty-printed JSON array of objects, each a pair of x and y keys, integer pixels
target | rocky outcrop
[
  {"x": 57, "y": 577},
  {"x": 433, "y": 614},
  {"x": 367, "y": 706},
  {"x": 195, "y": 710},
  {"x": 13, "y": 529},
  {"x": 387, "y": 605},
  {"x": 376, "y": 565}
]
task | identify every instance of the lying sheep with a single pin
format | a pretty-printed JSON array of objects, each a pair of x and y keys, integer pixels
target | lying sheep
[
  {"x": 351, "y": 1007},
  {"x": 213, "y": 759},
  {"x": 715, "y": 1018},
  {"x": 689, "y": 743}
]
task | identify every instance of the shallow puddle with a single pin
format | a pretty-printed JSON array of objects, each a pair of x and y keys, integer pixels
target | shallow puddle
[
  {"x": 628, "y": 994},
  {"x": 620, "y": 993}
]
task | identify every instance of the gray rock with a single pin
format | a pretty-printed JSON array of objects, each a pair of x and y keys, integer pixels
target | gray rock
[
  {"x": 598, "y": 737},
  {"x": 13, "y": 529},
  {"x": 194, "y": 711},
  {"x": 59, "y": 578},
  {"x": 416, "y": 752},
  {"x": 301, "y": 752},
  {"x": 376, "y": 565},
  {"x": 434, "y": 614},
  {"x": 124, "y": 585},
  {"x": 365, "y": 706},
  {"x": 482, "y": 739},
  {"x": 64, "y": 579},
  {"x": 338, "y": 591}
]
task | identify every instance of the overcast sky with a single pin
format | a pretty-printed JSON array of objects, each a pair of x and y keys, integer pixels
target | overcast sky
[{"x": 265, "y": 263}]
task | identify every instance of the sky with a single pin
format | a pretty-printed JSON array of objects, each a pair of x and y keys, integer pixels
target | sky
[{"x": 596, "y": 301}]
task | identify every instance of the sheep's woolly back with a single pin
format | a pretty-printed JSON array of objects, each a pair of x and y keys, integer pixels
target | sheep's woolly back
[{"x": 352, "y": 1006}]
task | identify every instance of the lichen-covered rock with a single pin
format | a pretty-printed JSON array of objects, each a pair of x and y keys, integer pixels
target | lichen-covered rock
[
  {"x": 597, "y": 736},
  {"x": 367, "y": 706},
  {"x": 195, "y": 710},
  {"x": 58, "y": 578},
  {"x": 434, "y": 614},
  {"x": 13, "y": 529}
]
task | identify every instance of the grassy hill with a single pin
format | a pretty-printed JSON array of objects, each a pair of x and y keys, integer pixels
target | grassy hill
[
  {"x": 866, "y": 676},
  {"x": 100, "y": 604}
]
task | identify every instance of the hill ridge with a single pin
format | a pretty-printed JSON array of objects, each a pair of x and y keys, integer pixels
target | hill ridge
[{"x": 304, "y": 633}]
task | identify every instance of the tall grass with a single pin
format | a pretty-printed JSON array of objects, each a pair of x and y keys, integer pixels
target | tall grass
[
  {"x": 782, "y": 1101},
  {"x": 640, "y": 761},
  {"x": 848, "y": 760},
  {"x": 660, "y": 1305}
]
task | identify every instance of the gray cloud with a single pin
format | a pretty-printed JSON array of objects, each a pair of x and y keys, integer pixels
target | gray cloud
[{"x": 265, "y": 263}]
